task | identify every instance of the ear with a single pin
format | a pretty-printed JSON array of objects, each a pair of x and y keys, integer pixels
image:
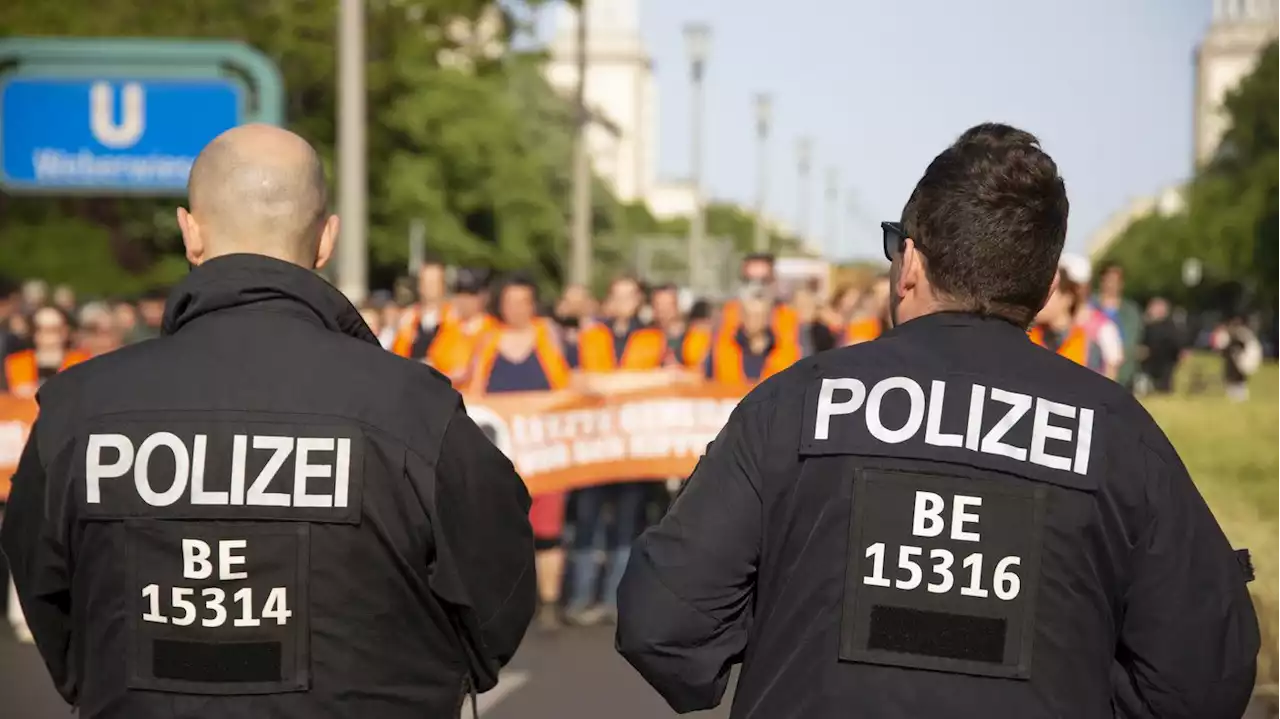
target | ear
[
  {"x": 328, "y": 239},
  {"x": 912, "y": 273},
  {"x": 191, "y": 237}
]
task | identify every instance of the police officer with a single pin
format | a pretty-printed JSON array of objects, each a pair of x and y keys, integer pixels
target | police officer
[
  {"x": 949, "y": 521},
  {"x": 263, "y": 513}
]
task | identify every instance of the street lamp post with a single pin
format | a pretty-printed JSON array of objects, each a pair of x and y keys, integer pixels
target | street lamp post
[
  {"x": 804, "y": 158},
  {"x": 580, "y": 265},
  {"x": 697, "y": 39},
  {"x": 764, "y": 107},
  {"x": 353, "y": 179},
  {"x": 831, "y": 240}
]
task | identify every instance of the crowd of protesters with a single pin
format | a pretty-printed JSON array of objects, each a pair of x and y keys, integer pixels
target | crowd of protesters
[{"x": 491, "y": 335}]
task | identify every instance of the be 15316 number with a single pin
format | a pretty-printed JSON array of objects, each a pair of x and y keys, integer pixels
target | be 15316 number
[{"x": 1005, "y": 581}]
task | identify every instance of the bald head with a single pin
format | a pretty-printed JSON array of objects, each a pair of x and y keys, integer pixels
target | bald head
[{"x": 258, "y": 189}]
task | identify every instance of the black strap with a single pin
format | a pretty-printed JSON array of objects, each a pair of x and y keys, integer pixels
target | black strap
[{"x": 1246, "y": 564}]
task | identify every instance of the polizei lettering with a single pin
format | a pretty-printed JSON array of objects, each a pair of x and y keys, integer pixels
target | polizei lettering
[
  {"x": 997, "y": 422},
  {"x": 165, "y": 470}
]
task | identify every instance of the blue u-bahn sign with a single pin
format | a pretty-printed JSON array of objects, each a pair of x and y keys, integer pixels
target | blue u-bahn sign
[
  {"x": 123, "y": 116},
  {"x": 135, "y": 135}
]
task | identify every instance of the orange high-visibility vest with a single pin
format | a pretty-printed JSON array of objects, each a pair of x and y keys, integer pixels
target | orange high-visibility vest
[
  {"x": 695, "y": 346},
  {"x": 597, "y": 350},
  {"x": 863, "y": 330},
  {"x": 727, "y": 369},
  {"x": 783, "y": 321},
  {"x": 1074, "y": 347},
  {"x": 409, "y": 331},
  {"x": 546, "y": 347},
  {"x": 455, "y": 344},
  {"x": 22, "y": 374}
]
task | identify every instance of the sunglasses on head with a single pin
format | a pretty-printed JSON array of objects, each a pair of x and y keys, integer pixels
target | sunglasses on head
[{"x": 895, "y": 237}]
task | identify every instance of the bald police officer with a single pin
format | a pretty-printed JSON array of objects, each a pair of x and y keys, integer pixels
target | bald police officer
[
  {"x": 262, "y": 513},
  {"x": 949, "y": 521}
]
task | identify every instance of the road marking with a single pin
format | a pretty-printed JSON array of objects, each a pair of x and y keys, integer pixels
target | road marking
[{"x": 507, "y": 685}]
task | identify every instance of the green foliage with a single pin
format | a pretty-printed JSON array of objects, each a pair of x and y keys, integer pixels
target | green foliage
[{"x": 1229, "y": 221}]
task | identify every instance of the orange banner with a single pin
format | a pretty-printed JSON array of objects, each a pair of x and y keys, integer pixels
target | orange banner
[
  {"x": 16, "y": 416},
  {"x": 557, "y": 440},
  {"x": 562, "y": 440}
]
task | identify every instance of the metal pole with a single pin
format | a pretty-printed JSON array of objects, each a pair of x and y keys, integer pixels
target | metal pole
[
  {"x": 851, "y": 218},
  {"x": 353, "y": 178},
  {"x": 580, "y": 268},
  {"x": 832, "y": 240},
  {"x": 763, "y": 107},
  {"x": 417, "y": 246},
  {"x": 696, "y": 36},
  {"x": 804, "y": 156}
]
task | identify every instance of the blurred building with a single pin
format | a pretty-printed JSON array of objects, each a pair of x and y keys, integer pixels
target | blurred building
[
  {"x": 1168, "y": 202},
  {"x": 1238, "y": 32},
  {"x": 621, "y": 89}
]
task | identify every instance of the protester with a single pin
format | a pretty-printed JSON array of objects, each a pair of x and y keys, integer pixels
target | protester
[
  {"x": 51, "y": 352},
  {"x": 98, "y": 331},
  {"x": 151, "y": 308},
  {"x": 664, "y": 304},
  {"x": 1106, "y": 350},
  {"x": 524, "y": 354},
  {"x": 619, "y": 342},
  {"x": 1241, "y": 356},
  {"x": 1055, "y": 326},
  {"x": 454, "y": 344},
  {"x": 9, "y": 307},
  {"x": 573, "y": 312},
  {"x": 1162, "y": 346},
  {"x": 755, "y": 351},
  {"x": 125, "y": 316},
  {"x": 759, "y": 280},
  {"x": 814, "y": 334},
  {"x": 872, "y": 317},
  {"x": 1126, "y": 315},
  {"x": 379, "y": 565},
  {"x": 418, "y": 325}
]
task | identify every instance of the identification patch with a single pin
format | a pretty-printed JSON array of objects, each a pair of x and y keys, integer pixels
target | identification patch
[
  {"x": 942, "y": 573},
  {"x": 218, "y": 608}
]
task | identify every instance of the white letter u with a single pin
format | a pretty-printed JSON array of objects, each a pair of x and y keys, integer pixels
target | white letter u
[{"x": 102, "y": 115}]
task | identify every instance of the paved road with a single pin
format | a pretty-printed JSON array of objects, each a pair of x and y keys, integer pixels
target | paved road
[
  {"x": 574, "y": 674},
  {"x": 571, "y": 674}
]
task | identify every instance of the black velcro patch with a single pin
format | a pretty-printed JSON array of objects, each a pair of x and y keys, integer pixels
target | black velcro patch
[
  {"x": 212, "y": 662},
  {"x": 937, "y": 634}
]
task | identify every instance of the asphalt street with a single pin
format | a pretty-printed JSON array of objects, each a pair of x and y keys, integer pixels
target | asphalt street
[{"x": 571, "y": 674}]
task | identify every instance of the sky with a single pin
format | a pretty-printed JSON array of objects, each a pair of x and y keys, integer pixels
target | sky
[{"x": 882, "y": 86}]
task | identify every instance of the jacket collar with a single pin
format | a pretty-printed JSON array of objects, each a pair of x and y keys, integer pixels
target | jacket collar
[
  {"x": 933, "y": 321},
  {"x": 246, "y": 280}
]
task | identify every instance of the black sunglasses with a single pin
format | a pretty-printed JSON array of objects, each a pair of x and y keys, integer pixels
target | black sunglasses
[{"x": 895, "y": 237}]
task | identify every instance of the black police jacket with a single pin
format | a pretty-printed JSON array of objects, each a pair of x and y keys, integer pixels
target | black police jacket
[
  {"x": 947, "y": 522},
  {"x": 262, "y": 513}
]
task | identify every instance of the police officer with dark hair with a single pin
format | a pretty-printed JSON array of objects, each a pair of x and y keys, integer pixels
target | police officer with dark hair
[
  {"x": 263, "y": 513},
  {"x": 949, "y": 521}
]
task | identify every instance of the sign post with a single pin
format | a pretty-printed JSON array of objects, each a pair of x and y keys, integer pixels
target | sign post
[{"x": 118, "y": 117}]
